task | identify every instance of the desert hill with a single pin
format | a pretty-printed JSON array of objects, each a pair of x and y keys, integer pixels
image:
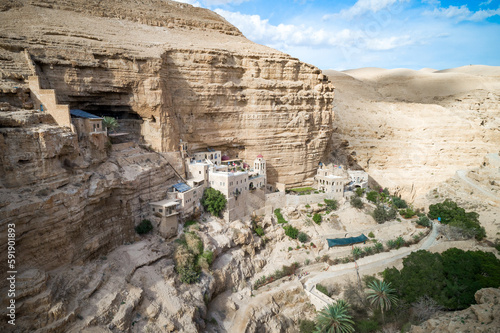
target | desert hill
[{"x": 412, "y": 130}]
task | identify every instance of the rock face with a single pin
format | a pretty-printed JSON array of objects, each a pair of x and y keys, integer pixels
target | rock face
[
  {"x": 170, "y": 71},
  {"x": 412, "y": 130},
  {"x": 482, "y": 317}
]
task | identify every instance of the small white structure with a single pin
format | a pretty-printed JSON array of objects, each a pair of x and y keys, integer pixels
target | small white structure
[
  {"x": 164, "y": 214},
  {"x": 358, "y": 178},
  {"x": 331, "y": 179}
]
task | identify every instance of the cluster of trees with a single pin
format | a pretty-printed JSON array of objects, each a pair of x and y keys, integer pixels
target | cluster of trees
[
  {"x": 213, "y": 201},
  {"x": 450, "y": 278},
  {"x": 456, "y": 217}
]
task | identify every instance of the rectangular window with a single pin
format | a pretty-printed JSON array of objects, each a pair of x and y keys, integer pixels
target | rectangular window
[
  {"x": 199, "y": 172},
  {"x": 160, "y": 210},
  {"x": 153, "y": 209}
]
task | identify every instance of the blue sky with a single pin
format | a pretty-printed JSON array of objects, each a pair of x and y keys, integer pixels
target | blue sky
[{"x": 349, "y": 34}]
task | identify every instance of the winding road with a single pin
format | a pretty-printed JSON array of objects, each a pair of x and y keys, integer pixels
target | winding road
[{"x": 375, "y": 261}]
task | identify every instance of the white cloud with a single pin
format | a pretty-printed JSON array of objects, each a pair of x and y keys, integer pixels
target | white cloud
[
  {"x": 486, "y": 3},
  {"x": 190, "y": 2},
  {"x": 432, "y": 2},
  {"x": 384, "y": 44},
  {"x": 463, "y": 13},
  {"x": 362, "y": 7}
]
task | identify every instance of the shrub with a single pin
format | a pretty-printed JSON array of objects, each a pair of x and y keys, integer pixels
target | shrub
[
  {"x": 371, "y": 235},
  {"x": 317, "y": 218},
  {"x": 331, "y": 204},
  {"x": 359, "y": 191},
  {"x": 399, "y": 203},
  {"x": 399, "y": 242},
  {"x": 206, "y": 259},
  {"x": 424, "y": 221},
  {"x": 189, "y": 273},
  {"x": 290, "y": 248},
  {"x": 368, "y": 250},
  {"x": 189, "y": 223},
  {"x": 307, "y": 262},
  {"x": 407, "y": 213},
  {"x": 259, "y": 231},
  {"x": 321, "y": 288},
  {"x": 379, "y": 247},
  {"x": 381, "y": 214},
  {"x": 194, "y": 243},
  {"x": 357, "y": 252},
  {"x": 279, "y": 216},
  {"x": 455, "y": 216},
  {"x": 320, "y": 205},
  {"x": 144, "y": 227},
  {"x": 308, "y": 206},
  {"x": 391, "y": 243},
  {"x": 367, "y": 326},
  {"x": 372, "y": 196},
  {"x": 307, "y": 326},
  {"x": 302, "y": 237},
  {"x": 357, "y": 202},
  {"x": 213, "y": 201},
  {"x": 291, "y": 232}
]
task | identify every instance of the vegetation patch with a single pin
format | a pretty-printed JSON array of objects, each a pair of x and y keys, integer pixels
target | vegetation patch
[
  {"x": 451, "y": 278},
  {"x": 190, "y": 257},
  {"x": 302, "y": 190},
  {"x": 317, "y": 218},
  {"x": 331, "y": 204},
  {"x": 213, "y": 201},
  {"x": 383, "y": 214},
  {"x": 144, "y": 227},
  {"x": 455, "y": 216},
  {"x": 278, "y": 274},
  {"x": 321, "y": 288},
  {"x": 279, "y": 216},
  {"x": 291, "y": 232}
]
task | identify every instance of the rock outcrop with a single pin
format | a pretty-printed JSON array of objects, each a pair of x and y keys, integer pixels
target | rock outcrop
[
  {"x": 170, "y": 71},
  {"x": 482, "y": 317}
]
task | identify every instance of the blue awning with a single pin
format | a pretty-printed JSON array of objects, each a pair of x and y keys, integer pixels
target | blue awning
[
  {"x": 346, "y": 241},
  {"x": 181, "y": 187},
  {"x": 82, "y": 114}
]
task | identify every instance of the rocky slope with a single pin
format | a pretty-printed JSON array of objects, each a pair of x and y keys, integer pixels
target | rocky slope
[
  {"x": 412, "y": 130},
  {"x": 481, "y": 317},
  {"x": 170, "y": 71}
]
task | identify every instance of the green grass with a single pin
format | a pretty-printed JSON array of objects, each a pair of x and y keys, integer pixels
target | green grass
[{"x": 302, "y": 189}]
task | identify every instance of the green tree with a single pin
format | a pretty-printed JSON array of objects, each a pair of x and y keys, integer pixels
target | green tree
[
  {"x": 382, "y": 296},
  {"x": 317, "y": 218},
  {"x": 334, "y": 318},
  {"x": 213, "y": 201},
  {"x": 356, "y": 202},
  {"x": 110, "y": 123}
]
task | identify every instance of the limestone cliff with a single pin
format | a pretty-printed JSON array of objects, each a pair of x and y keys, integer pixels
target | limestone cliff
[{"x": 170, "y": 71}]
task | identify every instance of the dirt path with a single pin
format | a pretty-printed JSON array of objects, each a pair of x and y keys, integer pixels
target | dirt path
[
  {"x": 378, "y": 262},
  {"x": 462, "y": 175}
]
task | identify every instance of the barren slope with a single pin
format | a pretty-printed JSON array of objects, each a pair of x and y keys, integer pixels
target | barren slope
[{"x": 414, "y": 129}]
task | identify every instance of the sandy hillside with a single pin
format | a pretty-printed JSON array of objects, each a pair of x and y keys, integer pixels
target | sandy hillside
[{"x": 412, "y": 130}]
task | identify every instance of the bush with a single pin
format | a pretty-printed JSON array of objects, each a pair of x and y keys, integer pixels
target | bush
[
  {"x": 331, "y": 204},
  {"x": 303, "y": 237},
  {"x": 372, "y": 196},
  {"x": 357, "y": 202},
  {"x": 144, "y": 227},
  {"x": 371, "y": 235},
  {"x": 424, "y": 221},
  {"x": 317, "y": 218},
  {"x": 359, "y": 191},
  {"x": 400, "y": 242},
  {"x": 308, "y": 206},
  {"x": 291, "y": 232},
  {"x": 408, "y": 213},
  {"x": 455, "y": 216},
  {"x": 368, "y": 250},
  {"x": 391, "y": 243},
  {"x": 189, "y": 223},
  {"x": 307, "y": 326},
  {"x": 213, "y": 201},
  {"x": 206, "y": 259},
  {"x": 279, "y": 216},
  {"x": 321, "y": 288},
  {"x": 357, "y": 252},
  {"x": 379, "y": 247},
  {"x": 259, "y": 231},
  {"x": 367, "y": 326},
  {"x": 399, "y": 203},
  {"x": 189, "y": 273},
  {"x": 381, "y": 214}
]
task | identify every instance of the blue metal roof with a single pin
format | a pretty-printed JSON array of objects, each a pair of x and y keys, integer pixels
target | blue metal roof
[
  {"x": 83, "y": 114},
  {"x": 181, "y": 187}
]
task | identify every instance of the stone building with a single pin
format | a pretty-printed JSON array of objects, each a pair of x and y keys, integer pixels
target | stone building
[
  {"x": 331, "y": 179},
  {"x": 86, "y": 123},
  {"x": 358, "y": 178},
  {"x": 165, "y": 216}
]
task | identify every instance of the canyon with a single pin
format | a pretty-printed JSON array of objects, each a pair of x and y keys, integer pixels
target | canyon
[{"x": 170, "y": 72}]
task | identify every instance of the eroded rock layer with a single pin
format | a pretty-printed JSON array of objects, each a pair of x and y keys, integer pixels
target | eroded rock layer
[{"x": 170, "y": 71}]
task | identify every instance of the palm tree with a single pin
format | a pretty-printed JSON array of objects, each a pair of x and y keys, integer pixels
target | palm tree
[
  {"x": 334, "y": 318},
  {"x": 381, "y": 295},
  {"x": 110, "y": 123}
]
